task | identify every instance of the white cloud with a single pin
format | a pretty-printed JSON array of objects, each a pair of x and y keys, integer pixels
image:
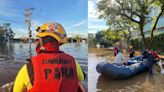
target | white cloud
[
  {"x": 92, "y": 11},
  {"x": 98, "y": 26},
  {"x": 93, "y": 28},
  {"x": 36, "y": 23},
  {"x": 23, "y": 32},
  {"x": 81, "y": 6},
  {"x": 80, "y": 27},
  {"x": 79, "y": 24},
  {"x": 94, "y": 23},
  {"x": 7, "y": 9},
  {"x": 20, "y": 32}
]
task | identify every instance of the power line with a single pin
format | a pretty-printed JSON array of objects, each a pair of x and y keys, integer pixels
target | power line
[
  {"x": 17, "y": 7},
  {"x": 9, "y": 20},
  {"x": 18, "y": 22},
  {"x": 11, "y": 7}
]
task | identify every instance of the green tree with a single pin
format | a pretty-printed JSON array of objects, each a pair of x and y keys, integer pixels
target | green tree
[
  {"x": 122, "y": 27},
  {"x": 157, "y": 4},
  {"x": 100, "y": 37},
  {"x": 11, "y": 33},
  {"x": 108, "y": 37},
  {"x": 2, "y": 32},
  {"x": 137, "y": 13},
  {"x": 77, "y": 37},
  {"x": 112, "y": 36},
  {"x": 6, "y": 32},
  {"x": 91, "y": 40}
]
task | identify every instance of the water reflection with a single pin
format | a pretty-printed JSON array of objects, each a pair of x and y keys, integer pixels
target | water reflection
[
  {"x": 139, "y": 83},
  {"x": 14, "y": 55}
]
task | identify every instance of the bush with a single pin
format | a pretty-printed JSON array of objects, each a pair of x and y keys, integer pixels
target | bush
[
  {"x": 157, "y": 44},
  {"x": 102, "y": 39},
  {"x": 91, "y": 40}
]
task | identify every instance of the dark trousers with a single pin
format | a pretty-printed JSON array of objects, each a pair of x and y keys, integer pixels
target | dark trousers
[
  {"x": 150, "y": 70},
  {"x": 131, "y": 55}
]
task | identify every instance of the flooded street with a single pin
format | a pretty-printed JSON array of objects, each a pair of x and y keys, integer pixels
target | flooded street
[
  {"x": 13, "y": 56},
  {"x": 139, "y": 83}
]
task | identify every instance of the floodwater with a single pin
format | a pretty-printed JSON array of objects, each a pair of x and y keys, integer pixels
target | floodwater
[
  {"x": 139, "y": 83},
  {"x": 13, "y": 56}
]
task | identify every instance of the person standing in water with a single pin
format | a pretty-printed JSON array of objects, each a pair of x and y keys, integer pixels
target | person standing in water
[
  {"x": 155, "y": 55},
  {"x": 150, "y": 58},
  {"x": 51, "y": 70},
  {"x": 131, "y": 51}
]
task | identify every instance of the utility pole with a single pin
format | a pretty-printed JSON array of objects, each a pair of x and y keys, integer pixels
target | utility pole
[{"x": 28, "y": 14}]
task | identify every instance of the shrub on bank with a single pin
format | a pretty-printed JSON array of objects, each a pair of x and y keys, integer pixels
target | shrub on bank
[{"x": 157, "y": 44}]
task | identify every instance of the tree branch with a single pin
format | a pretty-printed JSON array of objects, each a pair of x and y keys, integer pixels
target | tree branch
[
  {"x": 130, "y": 18},
  {"x": 154, "y": 27}
]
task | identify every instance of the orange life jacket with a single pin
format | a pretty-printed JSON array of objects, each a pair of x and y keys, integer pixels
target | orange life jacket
[{"x": 54, "y": 72}]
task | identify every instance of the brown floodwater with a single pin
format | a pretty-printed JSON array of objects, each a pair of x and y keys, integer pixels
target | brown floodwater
[
  {"x": 139, "y": 83},
  {"x": 13, "y": 56}
]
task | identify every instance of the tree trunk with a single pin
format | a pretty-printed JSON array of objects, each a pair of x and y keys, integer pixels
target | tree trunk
[
  {"x": 154, "y": 27},
  {"x": 143, "y": 35},
  {"x": 128, "y": 43}
]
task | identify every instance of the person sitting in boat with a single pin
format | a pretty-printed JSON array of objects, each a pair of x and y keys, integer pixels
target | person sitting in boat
[
  {"x": 131, "y": 51},
  {"x": 51, "y": 70},
  {"x": 116, "y": 48},
  {"x": 150, "y": 58},
  {"x": 120, "y": 59}
]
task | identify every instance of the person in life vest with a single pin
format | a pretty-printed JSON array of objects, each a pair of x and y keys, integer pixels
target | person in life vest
[
  {"x": 116, "y": 48},
  {"x": 150, "y": 58},
  {"x": 120, "y": 58},
  {"x": 155, "y": 55},
  {"x": 131, "y": 51},
  {"x": 51, "y": 70}
]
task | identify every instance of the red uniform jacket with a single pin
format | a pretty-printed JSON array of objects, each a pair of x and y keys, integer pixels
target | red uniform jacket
[{"x": 54, "y": 72}]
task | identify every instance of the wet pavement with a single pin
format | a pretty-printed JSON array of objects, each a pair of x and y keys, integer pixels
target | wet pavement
[{"x": 139, "y": 83}]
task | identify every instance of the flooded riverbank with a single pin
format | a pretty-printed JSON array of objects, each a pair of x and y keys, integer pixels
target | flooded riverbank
[
  {"x": 139, "y": 83},
  {"x": 13, "y": 56}
]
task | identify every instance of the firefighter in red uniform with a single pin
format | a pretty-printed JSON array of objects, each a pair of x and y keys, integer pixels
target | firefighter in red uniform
[
  {"x": 51, "y": 70},
  {"x": 155, "y": 55}
]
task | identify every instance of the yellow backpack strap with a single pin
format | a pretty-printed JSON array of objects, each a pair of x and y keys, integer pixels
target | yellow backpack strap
[{"x": 30, "y": 71}]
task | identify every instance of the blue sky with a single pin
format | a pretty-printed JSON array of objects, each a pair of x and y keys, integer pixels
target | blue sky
[
  {"x": 95, "y": 24},
  {"x": 72, "y": 14}
]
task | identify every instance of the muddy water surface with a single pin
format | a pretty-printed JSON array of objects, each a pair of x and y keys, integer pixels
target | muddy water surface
[
  {"x": 13, "y": 56},
  {"x": 139, "y": 83}
]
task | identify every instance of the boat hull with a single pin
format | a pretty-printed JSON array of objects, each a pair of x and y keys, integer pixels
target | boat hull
[{"x": 118, "y": 71}]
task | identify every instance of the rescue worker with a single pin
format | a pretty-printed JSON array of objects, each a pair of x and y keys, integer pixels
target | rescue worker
[
  {"x": 131, "y": 51},
  {"x": 150, "y": 58},
  {"x": 51, "y": 70},
  {"x": 155, "y": 55}
]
